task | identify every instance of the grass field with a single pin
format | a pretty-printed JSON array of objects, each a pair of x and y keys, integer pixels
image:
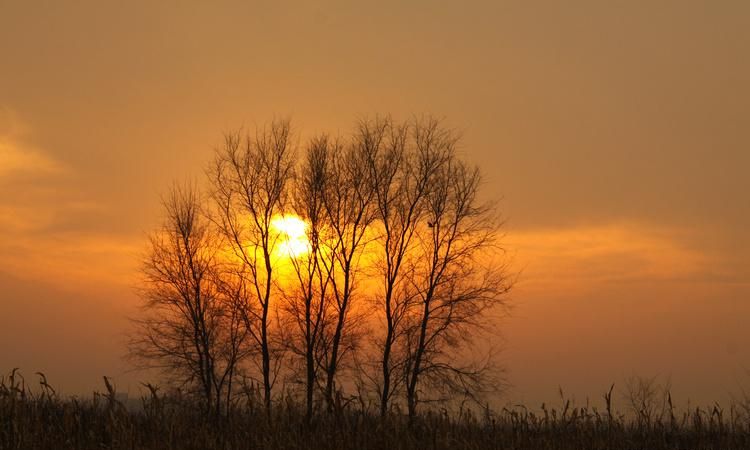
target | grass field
[{"x": 39, "y": 419}]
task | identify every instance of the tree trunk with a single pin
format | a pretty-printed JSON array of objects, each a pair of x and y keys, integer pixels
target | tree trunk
[
  {"x": 333, "y": 366},
  {"x": 386, "y": 362}
]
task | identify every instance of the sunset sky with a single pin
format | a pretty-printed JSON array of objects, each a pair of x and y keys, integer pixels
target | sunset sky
[{"x": 616, "y": 135}]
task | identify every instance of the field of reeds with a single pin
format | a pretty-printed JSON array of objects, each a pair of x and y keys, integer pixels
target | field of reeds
[{"x": 38, "y": 418}]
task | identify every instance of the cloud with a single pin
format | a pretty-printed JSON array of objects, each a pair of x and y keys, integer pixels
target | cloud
[
  {"x": 584, "y": 258},
  {"x": 18, "y": 157},
  {"x": 31, "y": 183},
  {"x": 51, "y": 229},
  {"x": 15, "y": 159},
  {"x": 598, "y": 302}
]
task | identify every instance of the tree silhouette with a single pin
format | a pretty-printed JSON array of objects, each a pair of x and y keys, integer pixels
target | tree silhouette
[
  {"x": 189, "y": 329},
  {"x": 251, "y": 179},
  {"x": 399, "y": 274},
  {"x": 306, "y": 306},
  {"x": 451, "y": 287}
]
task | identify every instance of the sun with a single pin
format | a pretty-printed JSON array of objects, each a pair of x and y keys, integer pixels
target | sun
[{"x": 292, "y": 232}]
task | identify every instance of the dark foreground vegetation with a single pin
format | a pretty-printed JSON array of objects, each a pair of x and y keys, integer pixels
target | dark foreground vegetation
[{"x": 40, "y": 419}]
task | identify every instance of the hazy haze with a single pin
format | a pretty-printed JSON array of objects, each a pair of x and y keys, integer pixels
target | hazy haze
[{"x": 616, "y": 134}]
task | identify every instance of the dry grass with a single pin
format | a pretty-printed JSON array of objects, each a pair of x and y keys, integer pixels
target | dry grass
[{"x": 39, "y": 419}]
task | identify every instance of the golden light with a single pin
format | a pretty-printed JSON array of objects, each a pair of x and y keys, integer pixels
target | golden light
[{"x": 292, "y": 235}]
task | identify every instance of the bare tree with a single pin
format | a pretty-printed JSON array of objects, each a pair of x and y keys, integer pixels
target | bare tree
[
  {"x": 251, "y": 177},
  {"x": 391, "y": 216},
  {"x": 648, "y": 400},
  {"x": 306, "y": 304},
  {"x": 189, "y": 329},
  {"x": 400, "y": 180},
  {"x": 453, "y": 284},
  {"x": 348, "y": 198}
]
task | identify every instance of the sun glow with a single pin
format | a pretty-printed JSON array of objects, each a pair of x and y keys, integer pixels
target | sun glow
[{"x": 292, "y": 235}]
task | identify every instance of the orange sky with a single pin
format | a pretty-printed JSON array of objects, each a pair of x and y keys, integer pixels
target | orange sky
[{"x": 615, "y": 133}]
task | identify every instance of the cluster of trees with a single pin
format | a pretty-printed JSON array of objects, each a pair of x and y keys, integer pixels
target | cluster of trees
[{"x": 399, "y": 274}]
